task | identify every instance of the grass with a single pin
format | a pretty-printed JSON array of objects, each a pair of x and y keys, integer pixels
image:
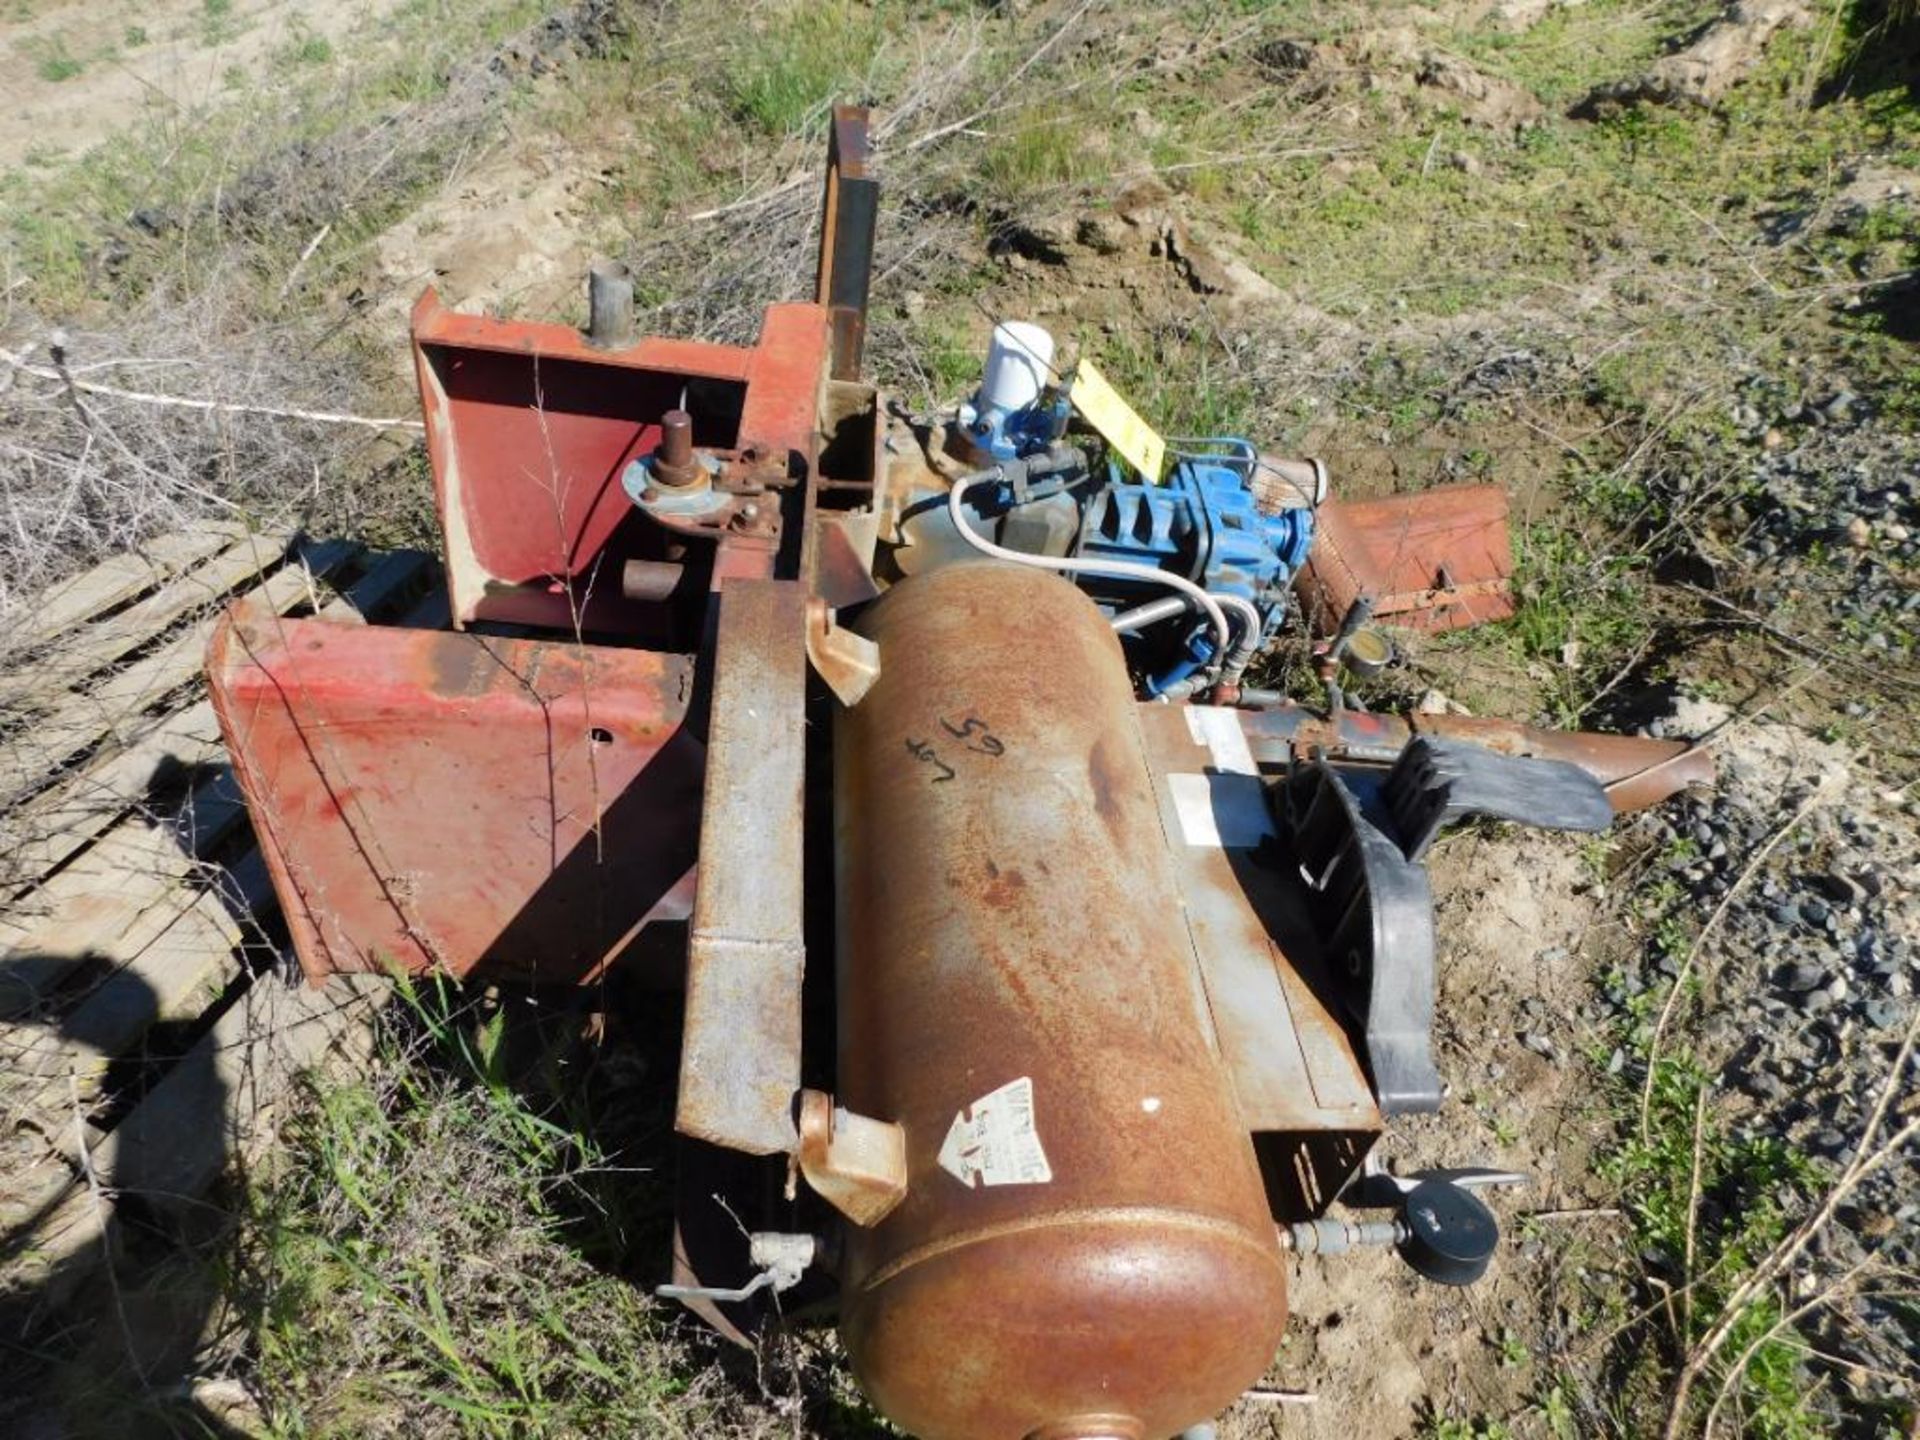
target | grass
[
  {"x": 452, "y": 1249},
  {"x": 807, "y": 56},
  {"x": 55, "y": 64},
  {"x": 425, "y": 1259},
  {"x": 54, "y": 225},
  {"x": 1041, "y": 148},
  {"x": 305, "y": 48},
  {"x": 1705, "y": 1205}
]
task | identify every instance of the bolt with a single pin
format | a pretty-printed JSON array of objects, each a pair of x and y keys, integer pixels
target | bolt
[
  {"x": 674, "y": 464},
  {"x": 676, "y": 439}
]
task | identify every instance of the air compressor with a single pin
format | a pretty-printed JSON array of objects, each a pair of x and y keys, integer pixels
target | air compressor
[{"x": 1047, "y": 982}]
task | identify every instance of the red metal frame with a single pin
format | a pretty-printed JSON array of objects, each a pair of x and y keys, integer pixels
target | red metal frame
[
  {"x": 529, "y": 428},
  {"x": 1435, "y": 560},
  {"x": 509, "y": 808}
]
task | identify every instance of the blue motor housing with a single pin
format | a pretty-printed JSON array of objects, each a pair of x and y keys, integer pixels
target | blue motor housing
[
  {"x": 1203, "y": 524},
  {"x": 994, "y": 434}
]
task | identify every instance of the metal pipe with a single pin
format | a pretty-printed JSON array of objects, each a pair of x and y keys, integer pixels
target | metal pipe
[
  {"x": 650, "y": 579},
  {"x": 1131, "y": 622},
  {"x": 673, "y": 462},
  {"x": 676, "y": 438},
  {"x": 609, "y": 305},
  {"x": 1331, "y": 1236}
]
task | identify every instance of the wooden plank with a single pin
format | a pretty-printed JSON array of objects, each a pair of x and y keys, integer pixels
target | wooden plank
[
  {"x": 113, "y": 904},
  {"x": 221, "y": 1103},
  {"x": 117, "y": 580},
  {"x": 45, "y": 1072},
  {"x": 102, "y": 911},
  {"x": 386, "y": 583},
  {"x": 176, "y": 976},
  {"x": 118, "y": 704},
  {"x": 54, "y": 1252},
  {"x": 129, "y": 903},
  {"x": 184, "y": 943},
  {"x": 86, "y": 650},
  {"x": 226, "y": 1095},
  {"x": 55, "y": 825}
]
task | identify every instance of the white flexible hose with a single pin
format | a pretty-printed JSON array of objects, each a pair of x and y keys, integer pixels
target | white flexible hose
[{"x": 1126, "y": 569}]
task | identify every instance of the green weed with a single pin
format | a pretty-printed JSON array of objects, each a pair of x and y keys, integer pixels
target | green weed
[
  {"x": 1705, "y": 1203},
  {"x": 1480, "y": 1428},
  {"x": 1180, "y": 382},
  {"x": 55, "y": 225},
  {"x": 807, "y": 57},
  {"x": 306, "y": 48},
  {"x": 1041, "y": 147},
  {"x": 54, "y": 64},
  {"x": 422, "y": 1259}
]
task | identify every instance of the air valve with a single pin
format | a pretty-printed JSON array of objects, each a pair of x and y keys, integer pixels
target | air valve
[{"x": 1441, "y": 1228}]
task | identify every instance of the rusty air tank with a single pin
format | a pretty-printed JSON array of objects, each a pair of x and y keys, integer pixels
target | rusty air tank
[{"x": 1085, "y": 1248}]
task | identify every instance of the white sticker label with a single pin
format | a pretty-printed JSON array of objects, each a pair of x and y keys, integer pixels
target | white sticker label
[
  {"x": 997, "y": 1144},
  {"x": 1219, "y": 730},
  {"x": 1221, "y": 812}
]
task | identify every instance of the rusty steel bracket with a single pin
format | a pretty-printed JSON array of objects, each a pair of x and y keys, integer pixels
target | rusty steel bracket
[
  {"x": 740, "y": 1053},
  {"x": 856, "y": 1164},
  {"x": 848, "y": 210},
  {"x": 849, "y": 663}
]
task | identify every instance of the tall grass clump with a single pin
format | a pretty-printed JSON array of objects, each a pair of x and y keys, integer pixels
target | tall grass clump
[{"x": 808, "y": 57}]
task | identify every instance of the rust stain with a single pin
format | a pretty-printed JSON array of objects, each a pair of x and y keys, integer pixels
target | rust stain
[
  {"x": 1103, "y": 774},
  {"x": 459, "y": 665},
  {"x": 1003, "y": 890}
]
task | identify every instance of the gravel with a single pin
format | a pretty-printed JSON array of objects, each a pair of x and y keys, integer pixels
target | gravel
[{"x": 1808, "y": 983}]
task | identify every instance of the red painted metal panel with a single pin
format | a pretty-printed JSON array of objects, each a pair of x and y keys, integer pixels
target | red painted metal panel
[
  {"x": 529, "y": 429},
  {"x": 784, "y": 380},
  {"x": 512, "y": 808}
]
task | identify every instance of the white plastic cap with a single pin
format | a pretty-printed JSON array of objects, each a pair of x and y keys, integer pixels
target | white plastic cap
[{"x": 1019, "y": 358}]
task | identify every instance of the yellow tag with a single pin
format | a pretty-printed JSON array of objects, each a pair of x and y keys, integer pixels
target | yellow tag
[{"x": 1122, "y": 426}]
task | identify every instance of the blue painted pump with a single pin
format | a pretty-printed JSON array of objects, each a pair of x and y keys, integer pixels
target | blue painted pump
[
  {"x": 1014, "y": 434},
  {"x": 1195, "y": 656},
  {"x": 1204, "y": 524}
]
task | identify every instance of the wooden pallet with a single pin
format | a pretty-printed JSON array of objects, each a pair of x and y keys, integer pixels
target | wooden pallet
[{"x": 148, "y": 1030}]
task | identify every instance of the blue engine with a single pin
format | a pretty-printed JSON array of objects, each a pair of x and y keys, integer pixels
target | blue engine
[{"x": 1203, "y": 524}]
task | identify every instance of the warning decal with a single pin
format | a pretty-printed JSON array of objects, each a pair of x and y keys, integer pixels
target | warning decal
[{"x": 998, "y": 1144}]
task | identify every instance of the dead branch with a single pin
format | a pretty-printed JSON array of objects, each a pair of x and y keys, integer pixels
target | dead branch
[{"x": 222, "y": 407}]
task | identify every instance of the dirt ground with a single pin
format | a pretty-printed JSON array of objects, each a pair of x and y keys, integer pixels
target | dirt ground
[{"x": 158, "y": 64}]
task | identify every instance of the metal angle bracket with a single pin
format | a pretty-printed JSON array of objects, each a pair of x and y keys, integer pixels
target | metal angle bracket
[{"x": 740, "y": 1055}]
